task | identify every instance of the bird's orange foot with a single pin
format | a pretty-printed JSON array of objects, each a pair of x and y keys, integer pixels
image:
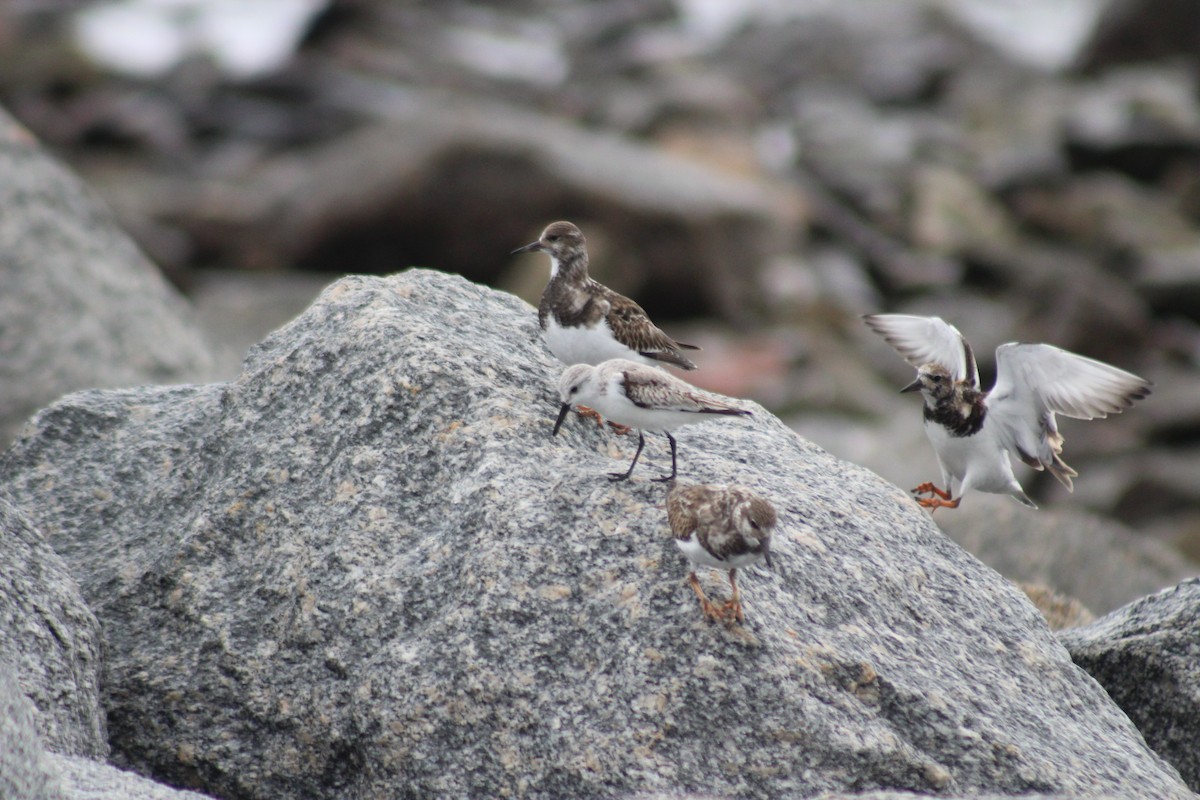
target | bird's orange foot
[
  {"x": 590, "y": 413},
  {"x": 618, "y": 428},
  {"x": 929, "y": 488},
  {"x": 934, "y": 503},
  {"x": 732, "y": 610}
]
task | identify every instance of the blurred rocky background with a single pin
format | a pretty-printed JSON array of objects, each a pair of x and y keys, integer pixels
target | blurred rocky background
[{"x": 756, "y": 173}]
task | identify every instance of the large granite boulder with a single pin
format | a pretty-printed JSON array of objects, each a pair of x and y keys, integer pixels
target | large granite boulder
[
  {"x": 1147, "y": 657},
  {"x": 49, "y": 640},
  {"x": 82, "y": 307},
  {"x": 365, "y": 568}
]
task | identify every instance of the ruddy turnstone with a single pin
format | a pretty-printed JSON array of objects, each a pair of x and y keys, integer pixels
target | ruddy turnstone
[
  {"x": 723, "y": 527},
  {"x": 585, "y": 322},
  {"x": 641, "y": 397},
  {"x": 973, "y": 431}
]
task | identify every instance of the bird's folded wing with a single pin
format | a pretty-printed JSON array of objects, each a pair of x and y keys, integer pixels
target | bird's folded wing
[{"x": 651, "y": 388}]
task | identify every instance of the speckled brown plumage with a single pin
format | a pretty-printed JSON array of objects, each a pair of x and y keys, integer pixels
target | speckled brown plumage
[{"x": 722, "y": 527}]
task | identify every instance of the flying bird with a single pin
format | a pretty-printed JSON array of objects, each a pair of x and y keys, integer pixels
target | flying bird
[{"x": 974, "y": 432}]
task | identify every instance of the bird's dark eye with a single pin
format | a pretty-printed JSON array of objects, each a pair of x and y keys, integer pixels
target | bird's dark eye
[
  {"x": 754, "y": 525},
  {"x": 935, "y": 378},
  {"x": 553, "y": 237},
  {"x": 574, "y": 390}
]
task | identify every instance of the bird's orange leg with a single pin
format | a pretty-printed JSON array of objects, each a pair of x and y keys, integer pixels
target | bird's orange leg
[
  {"x": 929, "y": 488},
  {"x": 592, "y": 413},
  {"x": 734, "y": 604},
  {"x": 710, "y": 610},
  {"x": 934, "y": 503}
]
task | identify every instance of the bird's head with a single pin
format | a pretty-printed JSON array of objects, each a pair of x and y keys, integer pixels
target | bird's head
[
  {"x": 933, "y": 381},
  {"x": 573, "y": 385},
  {"x": 756, "y": 522},
  {"x": 562, "y": 241}
]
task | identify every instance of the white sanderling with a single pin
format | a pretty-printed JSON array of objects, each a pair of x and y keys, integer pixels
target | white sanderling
[{"x": 641, "y": 397}]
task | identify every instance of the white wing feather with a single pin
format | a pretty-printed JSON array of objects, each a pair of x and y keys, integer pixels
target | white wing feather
[
  {"x": 925, "y": 340},
  {"x": 1036, "y": 381}
]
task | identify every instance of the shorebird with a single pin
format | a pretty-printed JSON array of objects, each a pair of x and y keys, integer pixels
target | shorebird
[
  {"x": 973, "y": 432},
  {"x": 641, "y": 397},
  {"x": 584, "y": 321},
  {"x": 723, "y": 527}
]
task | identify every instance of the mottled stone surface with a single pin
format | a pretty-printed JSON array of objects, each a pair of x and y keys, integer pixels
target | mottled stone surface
[
  {"x": 25, "y": 767},
  {"x": 365, "y": 568},
  {"x": 1147, "y": 656},
  {"x": 81, "y": 306},
  {"x": 1099, "y": 561},
  {"x": 49, "y": 639},
  {"x": 83, "y": 779}
]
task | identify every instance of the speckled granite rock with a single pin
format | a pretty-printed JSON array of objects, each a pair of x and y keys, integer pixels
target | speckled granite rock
[
  {"x": 83, "y": 779},
  {"x": 90, "y": 309},
  {"x": 25, "y": 768},
  {"x": 28, "y": 771},
  {"x": 49, "y": 639},
  {"x": 365, "y": 568},
  {"x": 1147, "y": 656}
]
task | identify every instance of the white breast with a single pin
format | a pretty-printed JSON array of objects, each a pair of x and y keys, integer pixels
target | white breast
[
  {"x": 977, "y": 462},
  {"x": 697, "y": 554},
  {"x": 586, "y": 345}
]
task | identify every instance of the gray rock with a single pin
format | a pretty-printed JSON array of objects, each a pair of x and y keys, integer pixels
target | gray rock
[
  {"x": 30, "y": 772},
  {"x": 83, "y": 779},
  {"x": 1146, "y": 655},
  {"x": 365, "y": 568},
  {"x": 49, "y": 639},
  {"x": 1098, "y": 561},
  {"x": 26, "y": 770},
  {"x": 81, "y": 306}
]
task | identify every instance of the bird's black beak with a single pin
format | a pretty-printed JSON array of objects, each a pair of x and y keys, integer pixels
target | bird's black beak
[
  {"x": 562, "y": 414},
  {"x": 915, "y": 386},
  {"x": 532, "y": 247},
  {"x": 767, "y": 553}
]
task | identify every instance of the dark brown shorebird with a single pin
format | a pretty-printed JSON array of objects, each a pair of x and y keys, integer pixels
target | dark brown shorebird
[{"x": 585, "y": 322}]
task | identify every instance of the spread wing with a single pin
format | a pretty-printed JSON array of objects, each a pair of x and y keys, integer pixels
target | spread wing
[
  {"x": 1036, "y": 381},
  {"x": 925, "y": 340}
]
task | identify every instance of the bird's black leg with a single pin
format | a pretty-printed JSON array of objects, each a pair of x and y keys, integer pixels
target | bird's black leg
[
  {"x": 617, "y": 476},
  {"x": 670, "y": 477}
]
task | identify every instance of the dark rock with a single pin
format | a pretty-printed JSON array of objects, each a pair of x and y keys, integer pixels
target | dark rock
[
  {"x": 364, "y": 568},
  {"x": 81, "y": 306},
  {"x": 1146, "y": 655},
  {"x": 51, "y": 640},
  {"x": 461, "y": 181},
  {"x": 1142, "y": 30}
]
